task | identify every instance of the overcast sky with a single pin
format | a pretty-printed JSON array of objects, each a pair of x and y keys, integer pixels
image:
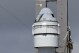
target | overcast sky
[{"x": 15, "y": 34}]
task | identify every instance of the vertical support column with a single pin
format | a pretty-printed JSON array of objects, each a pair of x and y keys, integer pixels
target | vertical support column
[{"x": 62, "y": 15}]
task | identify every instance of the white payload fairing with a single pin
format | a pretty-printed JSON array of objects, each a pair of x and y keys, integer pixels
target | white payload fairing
[{"x": 45, "y": 30}]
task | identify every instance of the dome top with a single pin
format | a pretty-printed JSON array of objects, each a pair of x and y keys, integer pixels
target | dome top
[
  {"x": 47, "y": 17},
  {"x": 46, "y": 11}
]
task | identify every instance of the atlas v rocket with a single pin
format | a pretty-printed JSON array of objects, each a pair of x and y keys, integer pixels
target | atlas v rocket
[{"x": 46, "y": 30}]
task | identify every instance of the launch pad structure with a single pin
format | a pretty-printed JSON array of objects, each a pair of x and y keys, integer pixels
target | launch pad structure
[{"x": 65, "y": 41}]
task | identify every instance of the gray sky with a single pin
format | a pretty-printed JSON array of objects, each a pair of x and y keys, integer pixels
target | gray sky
[{"x": 15, "y": 37}]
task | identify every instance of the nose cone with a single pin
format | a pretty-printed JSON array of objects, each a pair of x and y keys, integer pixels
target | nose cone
[
  {"x": 46, "y": 11},
  {"x": 45, "y": 15}
]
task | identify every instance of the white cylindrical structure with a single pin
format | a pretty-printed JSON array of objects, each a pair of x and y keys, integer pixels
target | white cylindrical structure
[
  {"x": 46, "y": 50},
  {"x": 46, "y": 41},
  {"x": 45, "y": 31},
  {"x": 45, "y": 27}
]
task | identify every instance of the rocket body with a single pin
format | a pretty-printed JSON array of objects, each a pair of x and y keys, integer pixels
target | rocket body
[{"x": 45, "y": 30}]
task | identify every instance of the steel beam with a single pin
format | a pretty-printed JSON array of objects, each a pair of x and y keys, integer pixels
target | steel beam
[{"x": 62, "y": 16}]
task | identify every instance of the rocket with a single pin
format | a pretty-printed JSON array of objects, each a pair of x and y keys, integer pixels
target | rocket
[{"x": 46, "y": 30}]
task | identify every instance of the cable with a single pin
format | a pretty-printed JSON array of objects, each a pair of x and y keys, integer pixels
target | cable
[
  {"x": 46, "y": 3},
  {"x": 12, "y": 15}
]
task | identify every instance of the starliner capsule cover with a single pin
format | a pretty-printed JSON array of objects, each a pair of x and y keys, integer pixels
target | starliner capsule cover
[
  {"x": 45, "y": 14},
  {"x": 45, "y": 29}
]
